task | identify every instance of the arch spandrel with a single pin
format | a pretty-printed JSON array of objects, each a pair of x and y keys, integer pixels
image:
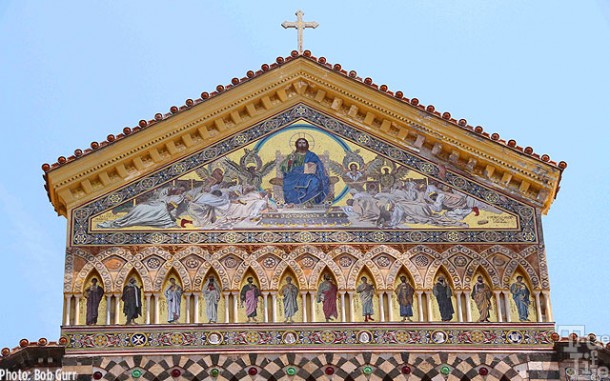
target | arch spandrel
[{"x": 324, "y": 261}]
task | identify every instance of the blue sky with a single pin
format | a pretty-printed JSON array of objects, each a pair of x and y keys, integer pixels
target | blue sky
[{"x": 72, "y": 72}]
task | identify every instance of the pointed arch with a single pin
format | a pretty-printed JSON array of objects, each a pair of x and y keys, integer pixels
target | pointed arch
[
  {"x": 178, "y": 267},
  {"x": 409, "y": 267},
  {"x": 353, "y": 277},
  {"x": 102, "y": 272},
  {"x": 256, "y": 268},
  {"x": 528, "y": 272},
  {"x": 139, "y": 268},
  {"x": 324, "y": 261},
  {"x": 288, "y": 266},
  {"x": 447, "y": 268}
]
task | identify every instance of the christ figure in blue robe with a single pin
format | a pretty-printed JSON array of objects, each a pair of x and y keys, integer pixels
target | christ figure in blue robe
[{"x": 305, "y": 179}]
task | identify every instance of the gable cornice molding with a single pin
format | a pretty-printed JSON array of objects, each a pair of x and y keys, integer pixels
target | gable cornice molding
[{"x": 302, "y": 81}]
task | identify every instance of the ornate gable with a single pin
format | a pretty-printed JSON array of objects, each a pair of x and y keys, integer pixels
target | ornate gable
[
  {"x": 232, "y": 192},
  {"x": 411, "y": 128}
]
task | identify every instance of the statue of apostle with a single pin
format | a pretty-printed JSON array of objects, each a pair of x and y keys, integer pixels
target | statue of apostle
[
  {"x": 94, "y": 295},
  {"x": 521, "y": 296},
  {"x": 481, "y": 294},
  {"x": 173, "y": 295},
  {"x": 249, "y": 296},
  {"x": 290, "y": 293},
  {"x": 443, "y": 294},
  {"x": 211, "y": 295},
  {"x": 366, "y": 291},
  {"x": 305, "y": 179},
  {"x": 404, "y": 294},
  {"x": 327, "y": 295},
  {"x": 132, "y": 301}
]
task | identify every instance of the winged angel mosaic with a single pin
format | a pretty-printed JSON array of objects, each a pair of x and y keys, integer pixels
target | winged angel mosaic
[{"x": 298, "y": 177}]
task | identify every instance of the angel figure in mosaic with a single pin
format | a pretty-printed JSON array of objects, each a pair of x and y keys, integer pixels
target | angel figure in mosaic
[
  {"x": 386, "y": 173},
  {"x": 250, "y": 170},
  {"x": 353, "y": 170}
]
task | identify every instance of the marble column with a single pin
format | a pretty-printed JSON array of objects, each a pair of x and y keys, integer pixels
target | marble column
[
  {"x": 458, "y": 296},
  {"x": 68, "y": 304},
  {"x": 420, "y": 305},
  {"x": 148, "y": 296},
  {"x": 187, "y": 311},
  {"x": 312, "y": 296},
  {"x": 266, "y": 306},
  {"x": 156, "y": 309},
  {"x": 506, "y": 306},
  {"x": 117, "y": 308},
  {"x": 274, "y": 307},
  {"x": 390, "y": 309},
  {"x": 381, "y": 307},
  {"x": 549, "y": 309},
  {"x": 498, "y": 306},
  {"x": 352, "y": 314},
  {"x": 429, "y": 304},
  {"x": 196, "y": 307},
  {"x": 468, "y": 307},
  {"x": 227, "y": 307},
  {"x": 108, "y": 308},
  {"x": 538, "y": 306},
  {"x": 343, "y": 307},
  {"x": 235, "y": 296},
  {"x": 304, "y": 304},
  {"x": 76, "y": 309}
]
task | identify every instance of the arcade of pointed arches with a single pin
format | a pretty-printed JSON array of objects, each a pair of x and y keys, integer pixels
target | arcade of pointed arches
[{"x": 307, "y": 264}]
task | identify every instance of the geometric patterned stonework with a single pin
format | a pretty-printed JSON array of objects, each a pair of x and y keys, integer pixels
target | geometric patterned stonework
[
  {"x": 83, "y": 235},
  {"x": 312, "y": 337},
  {"x": 346, "y": 366}
]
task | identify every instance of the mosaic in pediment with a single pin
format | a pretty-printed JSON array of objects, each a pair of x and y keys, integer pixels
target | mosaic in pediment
[{"x": 303, "y": 176}]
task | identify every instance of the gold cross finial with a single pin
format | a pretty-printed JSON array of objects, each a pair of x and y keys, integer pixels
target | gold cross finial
[{"x": 300, "y": 25}]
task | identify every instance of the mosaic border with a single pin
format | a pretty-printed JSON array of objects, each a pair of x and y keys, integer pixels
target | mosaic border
[
  {"x": 81, "y": 236},
  {"x": 316, "y": 336}
]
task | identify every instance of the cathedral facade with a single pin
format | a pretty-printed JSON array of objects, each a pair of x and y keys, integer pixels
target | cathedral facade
[{"x": 305, "y": 223}]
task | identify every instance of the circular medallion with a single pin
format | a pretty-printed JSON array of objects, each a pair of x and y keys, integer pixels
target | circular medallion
[
  {"x": 402, "y": 336},
  {"x": 118, "y": 238},
  {"x": 304, "y": 236},
  {"x": 176, "y": 338},
  {"x": 289, "y": 337},
  {"x": 100, "y": 340},
  {"x": 156, "y": 238},
  {"x": 438, "y": 337},
  {"x": 115, "y": 198},
  {"x": 138, "y": 339},
  {"x": 364, "y": 337},
  {"x": 416, "y": 236},
  {"x": 214, "y": 338},
  {"x": 492, "y": 197},
  {"x": 268, "y": 237},
  {"x": 459, "y": 182},
  {"x": 230, "y": 237},
  {"x": 81, "y": 213},
  {"x": 477, "y": 336},
  {"x": 240, "y": 139},
  {"x": 327, "y": 337},
  {"x": 514, "y": 337},
  {"x": 147, "y": 183},
  {"x": 253, "y": 337},
  {"x": 308, "y": 262},
  {"x": 363, "y": 138},
  {"x": 210, "y": 153}
]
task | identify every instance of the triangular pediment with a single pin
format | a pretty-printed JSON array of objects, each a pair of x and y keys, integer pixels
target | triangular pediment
[
  {"x": 228, "y": 113},
  {"x": 345, "y": 185}
]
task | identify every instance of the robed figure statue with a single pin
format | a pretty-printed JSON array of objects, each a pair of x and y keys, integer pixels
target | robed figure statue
[
  {"x": 481, "y": 294},
  {"x": 289, "y": 292},
  {"x": 132, "y": 301},
  {"x": 404, "y": 294},
  {"x": 249, "y": 298},
  {"x": 443, "y": 294},
  {"x": 327, "y": 295},
  {"x": 521, "y": 296},
  {"x": 94, "y": 295},
  {"x": 305, "y": 179}
]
